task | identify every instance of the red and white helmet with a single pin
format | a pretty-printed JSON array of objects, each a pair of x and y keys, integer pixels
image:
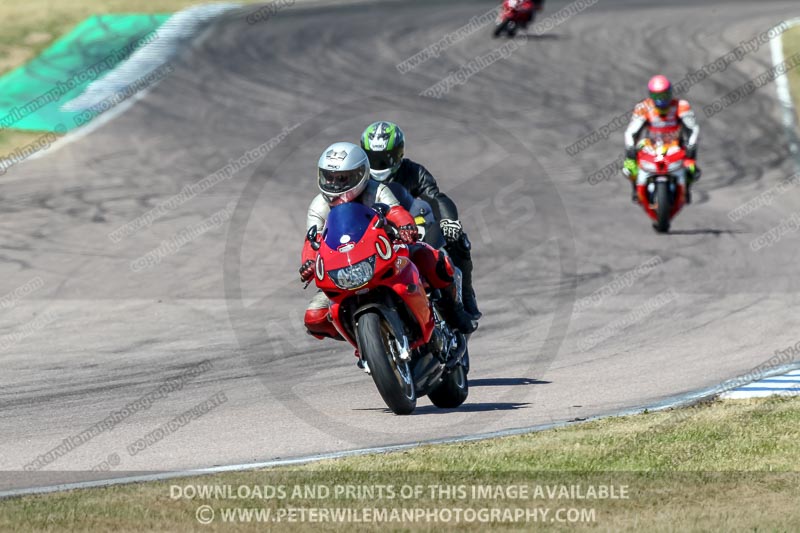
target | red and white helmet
[{"x": 660, "y": 91}]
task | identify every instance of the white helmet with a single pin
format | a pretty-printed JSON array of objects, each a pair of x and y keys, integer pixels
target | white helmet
[{"x": 343, "y": 172}]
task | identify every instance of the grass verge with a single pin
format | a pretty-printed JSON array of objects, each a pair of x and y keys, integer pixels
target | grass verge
[
  {"x": 721, "y": 466},
  {"x": 791, "y": 46},
  {"x": 33, "y": 25},
  {"x": 13, "y": 140}
]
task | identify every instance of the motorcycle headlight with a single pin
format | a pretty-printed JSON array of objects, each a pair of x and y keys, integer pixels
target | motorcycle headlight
[
  {"x": 647, "y": 166},
  {"x": 354, "y": 276},
  {"x": 676, "y": 166}
]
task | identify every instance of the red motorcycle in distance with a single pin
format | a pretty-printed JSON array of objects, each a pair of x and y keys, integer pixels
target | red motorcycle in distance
[
  {"x": 661, "y": 183},
  {"x": 515, "y": 14},
  {"x": 381, "y": 305}
]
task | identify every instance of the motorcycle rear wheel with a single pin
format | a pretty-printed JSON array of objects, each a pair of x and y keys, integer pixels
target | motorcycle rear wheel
[
  {"x": 393, "y": 378},
  {"x": 453, "y": 390}
]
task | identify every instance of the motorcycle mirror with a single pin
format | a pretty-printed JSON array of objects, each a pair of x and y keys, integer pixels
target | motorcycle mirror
[
  {"x": 381, "y": 210},
  {"x": 311, "y": 237}
]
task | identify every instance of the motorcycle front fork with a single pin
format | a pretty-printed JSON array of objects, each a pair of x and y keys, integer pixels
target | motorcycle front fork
[{"x": 643, "y": 177}]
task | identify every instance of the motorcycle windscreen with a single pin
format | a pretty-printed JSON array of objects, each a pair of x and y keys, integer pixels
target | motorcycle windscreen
[{"x": 346, "y": 224}]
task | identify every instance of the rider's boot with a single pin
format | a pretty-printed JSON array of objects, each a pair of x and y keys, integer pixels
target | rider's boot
[
  {"x": 453, "y": 310},
  {"x": 461, "y": 254},
  {"x": 319, "y": 325},
  {"x": 692, "y": 175},
  {"x": 630, "y": 169}
]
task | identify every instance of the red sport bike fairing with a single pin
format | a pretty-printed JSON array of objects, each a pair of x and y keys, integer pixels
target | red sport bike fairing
[
  {"x": 381, "y": 305},
  {"x": 661, "y": 183},
  {"x": 515, "y": 14}
]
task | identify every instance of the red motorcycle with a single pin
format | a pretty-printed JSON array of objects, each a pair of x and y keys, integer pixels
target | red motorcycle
[
  {"x": 661, "y": 183},
  {"x": 515, "y": 14},
  {"x": 381, "y": 305}
]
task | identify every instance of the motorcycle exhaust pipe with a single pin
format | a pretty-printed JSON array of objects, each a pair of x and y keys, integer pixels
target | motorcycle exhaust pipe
[
  {"x": 459, "y": 350},
  {"x": 427, "y": 372}
]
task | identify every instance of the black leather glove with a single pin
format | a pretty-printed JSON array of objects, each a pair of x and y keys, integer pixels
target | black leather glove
[
  {"x": 451, "y": 229},
  {"x": 307, "y": 271}
]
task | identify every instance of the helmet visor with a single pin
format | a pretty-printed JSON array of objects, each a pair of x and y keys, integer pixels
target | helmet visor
[
  {"x": 381, "y": 160},
  {"x": 662, "y": 99},
  {"x": 340, "y": 181}
]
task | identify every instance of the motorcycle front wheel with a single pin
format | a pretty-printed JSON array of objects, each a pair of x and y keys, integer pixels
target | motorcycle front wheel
[
  {"x": 512, "y": 29},
  {"x": 381, "y": 346},
  {"x": 663, "y": 207},
  {"x": 500, "y": 28}
]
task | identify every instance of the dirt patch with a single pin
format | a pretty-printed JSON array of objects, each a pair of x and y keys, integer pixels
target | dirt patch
[
  {"x": 13, "y": 56},
  {"x": 37, "y": 37}
]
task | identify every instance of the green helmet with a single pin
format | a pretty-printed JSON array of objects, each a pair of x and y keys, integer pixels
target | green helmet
[{"x": 385, "y": 144}]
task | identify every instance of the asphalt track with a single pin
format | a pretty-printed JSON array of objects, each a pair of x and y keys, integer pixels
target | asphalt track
[{"x": 544, "y": 238}]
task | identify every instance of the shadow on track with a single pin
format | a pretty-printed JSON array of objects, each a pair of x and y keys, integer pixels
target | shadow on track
[
  {"x": 545, "y": 37},
  {"x": 480, "y": 407},
  {"x": 505, "y": 382},
  {"x": 465, "y": 408},
  {"x": 715, "y": 232}
]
